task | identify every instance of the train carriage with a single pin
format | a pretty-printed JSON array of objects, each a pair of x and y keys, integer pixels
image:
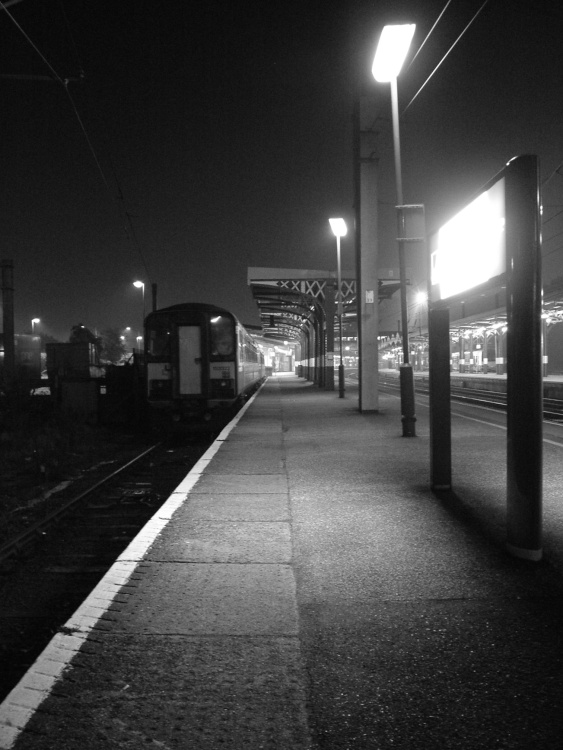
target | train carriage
[{"x": 200, "y": 362}]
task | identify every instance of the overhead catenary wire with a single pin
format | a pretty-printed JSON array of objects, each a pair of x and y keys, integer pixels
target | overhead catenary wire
[
  {"x": 436, "y": 22},
  {"x": 555, "y": 171},
  {"x": 444, "y": 57},
  {"x": 127, "y": 226}
]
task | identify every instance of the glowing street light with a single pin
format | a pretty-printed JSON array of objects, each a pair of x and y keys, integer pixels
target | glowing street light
[
  {"x": 339, "y": 229},
  {"x": 141, "y": 285},
  {"x": 389, "y": 57},
  {"x": 33, "y": 323}
]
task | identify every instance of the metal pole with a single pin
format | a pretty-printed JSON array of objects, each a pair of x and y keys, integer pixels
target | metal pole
[
  {"x": 339, "y": 278},
  {"x": 524, "y": 420},
  {"x": 440, "y": 408},
  {"x": 8, "y": 315},
  {"x": 406, "y": 374},
  {"x": 329, "y": 318}
]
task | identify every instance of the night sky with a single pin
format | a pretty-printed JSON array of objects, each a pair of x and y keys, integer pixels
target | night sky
[{"x": 219, "y": 136}]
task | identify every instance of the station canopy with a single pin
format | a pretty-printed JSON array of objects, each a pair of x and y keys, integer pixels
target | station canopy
[{"x": 288, "y": 298}]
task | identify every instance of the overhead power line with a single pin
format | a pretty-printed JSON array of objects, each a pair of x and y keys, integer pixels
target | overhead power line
[
  {"x": 436, "y": 22},
  {"x": 128, "y": 225},
  {"x": 445, "y": 56}
]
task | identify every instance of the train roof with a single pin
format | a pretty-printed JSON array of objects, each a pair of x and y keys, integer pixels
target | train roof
[{"x": 193, "y": 306}]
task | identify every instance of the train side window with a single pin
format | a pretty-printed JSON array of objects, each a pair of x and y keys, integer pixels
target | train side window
[
  {"x": 222, "y": 338},
  {"x": 159, "y": 341}
]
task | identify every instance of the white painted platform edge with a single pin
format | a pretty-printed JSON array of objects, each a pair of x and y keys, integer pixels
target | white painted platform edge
[{"x": 21, "y": 703}]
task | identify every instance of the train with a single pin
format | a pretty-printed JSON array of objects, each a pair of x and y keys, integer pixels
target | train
[{"x": 201, "y": 364}]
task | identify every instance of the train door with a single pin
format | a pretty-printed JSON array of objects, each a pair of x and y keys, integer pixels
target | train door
[{"x": 189, "y": 360}]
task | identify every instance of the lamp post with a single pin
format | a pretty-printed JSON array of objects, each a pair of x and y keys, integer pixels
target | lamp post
[
  {"x": 339, "y": 230},
  {"x": 141, "y": 285},
  {"x": 389, "y": 57},
  {"x": 33, "y": 323}
]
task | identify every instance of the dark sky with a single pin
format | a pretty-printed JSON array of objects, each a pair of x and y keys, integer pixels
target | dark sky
[{"x": 223, "y": 136}]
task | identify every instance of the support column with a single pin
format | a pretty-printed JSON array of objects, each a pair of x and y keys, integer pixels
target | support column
[
  {"x": 317, "y": 350},
  {"x": 544, "y": 348},
  {"x": 367, "y": 284},
  {"x": 440, "y": 408},
  {"x": 524, "y": 362},
  {"x": 330, "y": 310}
]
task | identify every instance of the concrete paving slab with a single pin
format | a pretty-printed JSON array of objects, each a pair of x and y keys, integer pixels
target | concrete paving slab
[
  {"x": 246, "y": 463},
  {"x": 258, "y": 428},
  {"x": 198, "y": 599},
  {"x": 416, "y": 630},
  {"x": 449, "y": 675},
  {"x": 223, "y": 542},
  {"x": 262, "y": 444},
  {"x": 223, "y": 507},
  {"x": 235, "y": 449},
  {"x": 178, "y": 692},
  {"x": 247, "y": 484}
]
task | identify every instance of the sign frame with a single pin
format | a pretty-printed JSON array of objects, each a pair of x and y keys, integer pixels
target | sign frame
[{"x": 522, "y": 278}]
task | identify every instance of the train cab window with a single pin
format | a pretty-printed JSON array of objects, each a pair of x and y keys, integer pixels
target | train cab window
[
  {"x": 159, "y": 338},
  {"x": 222, "y": 338}
]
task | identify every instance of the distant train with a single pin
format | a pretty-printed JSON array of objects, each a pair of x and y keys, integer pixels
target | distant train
[{"x": 199, "y": 363}]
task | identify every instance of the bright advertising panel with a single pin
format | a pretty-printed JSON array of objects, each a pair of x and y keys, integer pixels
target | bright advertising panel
[{"x": 470, "y": 249}]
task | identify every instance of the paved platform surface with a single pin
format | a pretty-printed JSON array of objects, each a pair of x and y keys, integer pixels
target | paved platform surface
[{"x": 304, "y": 589}]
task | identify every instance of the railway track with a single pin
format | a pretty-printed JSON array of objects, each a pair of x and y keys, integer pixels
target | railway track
[
  {"x": 48, "y": 570},
  {"x": 552, "y": 408}
]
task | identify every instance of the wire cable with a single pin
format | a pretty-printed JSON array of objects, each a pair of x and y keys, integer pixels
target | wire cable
[
  {"x": 436, "y": 22},
  {"x": 64, "y": 83},
  {"x": 446, "y": 55},
  {"x": 56, "y": 76},
  {"x": 546, "y": 221},
  {"x": 555, "y": 171}
]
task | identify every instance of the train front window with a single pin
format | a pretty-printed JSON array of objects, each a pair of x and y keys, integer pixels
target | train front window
[
  {"x": 159, "y": 338},
  {"x": 222, "y": 338}
]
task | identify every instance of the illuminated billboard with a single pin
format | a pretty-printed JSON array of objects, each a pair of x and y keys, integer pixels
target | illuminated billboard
[{"x": 470, "y": 249}]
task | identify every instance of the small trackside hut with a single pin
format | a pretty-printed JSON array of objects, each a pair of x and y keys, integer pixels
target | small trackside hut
[{"x": 200, "y": 364}]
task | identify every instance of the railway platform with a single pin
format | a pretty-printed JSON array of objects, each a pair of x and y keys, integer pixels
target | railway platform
[{"x": 303, "y": 589}]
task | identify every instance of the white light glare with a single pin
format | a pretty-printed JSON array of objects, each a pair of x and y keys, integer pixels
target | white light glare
[
  {"x": 471, "y": 246},
  {"x": 391, "y": 51},
  {"x": 338, "y": 227}
]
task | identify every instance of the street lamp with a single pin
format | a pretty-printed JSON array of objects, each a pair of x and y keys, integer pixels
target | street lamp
[
  {"x": 389, "y": 57},
  {"x": 33, "y": 322},
  {"x": 141, "y": 285},
  {"x": 339, "y": 230}
]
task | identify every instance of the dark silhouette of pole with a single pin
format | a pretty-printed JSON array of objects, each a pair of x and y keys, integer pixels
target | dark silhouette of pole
[
  {"x": 8, "y": 312},
  {"x": 408, "y": 417}
]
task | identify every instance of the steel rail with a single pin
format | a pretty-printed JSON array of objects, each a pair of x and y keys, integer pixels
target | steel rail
[
  {"x": 553, "y": 408},
  {"x": 19, "y": 542}
]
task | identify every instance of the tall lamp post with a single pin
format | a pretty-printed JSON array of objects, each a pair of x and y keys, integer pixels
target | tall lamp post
[
  {"x": 141, "y": 285},
  {"x": 339, "y": 230},
  {"x": 390, "y": 55},
  {"x": 34, "y": 321}
]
